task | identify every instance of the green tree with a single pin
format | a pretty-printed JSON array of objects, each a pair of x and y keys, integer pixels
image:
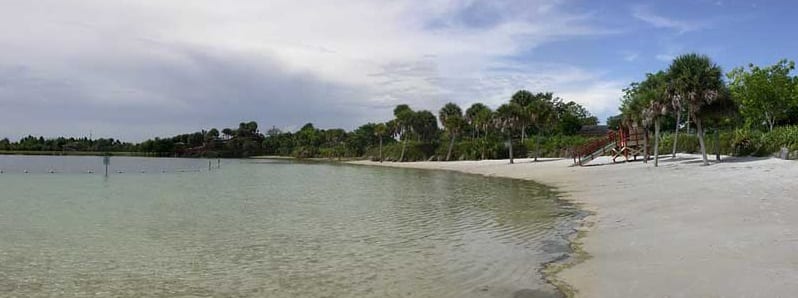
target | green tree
[
  {"x": 654, "y": 88},
  {"x": 402, "y": 125},
  {"x": 508, "y": 119},
  {"x": 425, "y": 126},
  {"x": 542, "y": 115},
  {"x": 451, "y": 117},
  {"x": 698, "y": 81},
  {"x": 764, "y": 94},
  {"x": 380, "y": 130},
  {"x": 479, "y": 117},
  {"x": 633, "y": 107},
  {"x": 523, "y": 98}
]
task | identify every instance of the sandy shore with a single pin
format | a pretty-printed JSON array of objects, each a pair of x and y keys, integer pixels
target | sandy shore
[{"x": 680, "y": 230}]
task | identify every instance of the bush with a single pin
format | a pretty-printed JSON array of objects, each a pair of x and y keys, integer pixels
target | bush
[
  {"x": 738, "y": 142},
  {"x": 785, "y": 136},
  {"x": 416, "y": 151},
  {"x": 556, "y": 146}
]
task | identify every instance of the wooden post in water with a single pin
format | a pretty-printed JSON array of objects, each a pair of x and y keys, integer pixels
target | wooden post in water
[
  {"x": 106, "y": 162},
  {"x": 218, "y": 163},
  {"x": 209, "y": 165}
]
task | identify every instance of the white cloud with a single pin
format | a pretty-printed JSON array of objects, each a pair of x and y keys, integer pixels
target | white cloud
[
  {"x": 630, "y": 56},
  {"x": 642, "y": 13},
  {"x": 665, "y": 57},
  {"x": 188, "y": 65}
]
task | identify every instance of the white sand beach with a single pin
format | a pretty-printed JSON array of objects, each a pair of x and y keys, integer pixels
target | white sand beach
[{"x": 680, "y": 230}]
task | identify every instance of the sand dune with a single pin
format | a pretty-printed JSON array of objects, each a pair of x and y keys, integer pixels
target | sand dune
[{"x": 680, "y": 230}]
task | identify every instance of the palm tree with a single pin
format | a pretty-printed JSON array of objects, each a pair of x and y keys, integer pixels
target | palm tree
[
  {"x": 698, "y": 81},
  {"x": 523, "y": 99},
  {"x": 507, "y": 119},
  {"x": 380, "y": 130},
  {"x": 542, "y": 113},
  {"x": 654, "y": 88},
  {"x": 676, "y": 105},
  {"x": 451, "y": 117},
  {"x": 403, "y": 123},
  {"x": 479, "y": 116}
]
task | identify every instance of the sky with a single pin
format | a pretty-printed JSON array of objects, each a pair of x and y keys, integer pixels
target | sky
[{"x": 152, "y": 68}]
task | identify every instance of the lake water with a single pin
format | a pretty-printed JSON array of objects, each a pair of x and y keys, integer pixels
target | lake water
[{"x": 170, "y": 227}]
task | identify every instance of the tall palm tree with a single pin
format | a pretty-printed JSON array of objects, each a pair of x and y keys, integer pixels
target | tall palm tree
[
  {"x": 451, "y": 117},
  {"x": 523, "y": 99},
  {"x": 479, "y": 116},
  {"x": 654, "y": 91},
  {"x": 403, "y": 124},
  {"x": 507, "y": 119},
  {"x": 677, "y": 107},
  {"x": 698, "y": 81},
  {"x": 541, "y": 112},
  {"x": 380, "y": 130},
  {"x": 476, "y": 116}
]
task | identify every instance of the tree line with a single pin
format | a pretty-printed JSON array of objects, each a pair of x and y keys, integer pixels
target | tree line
[
  {"x": 527, "y": 120},
  {"x": 757, "y": 106},
  {"x": 477, "y": 132}
]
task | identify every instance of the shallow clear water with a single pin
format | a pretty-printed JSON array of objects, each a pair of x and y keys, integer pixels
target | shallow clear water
[{"x": 270, "y": 229}]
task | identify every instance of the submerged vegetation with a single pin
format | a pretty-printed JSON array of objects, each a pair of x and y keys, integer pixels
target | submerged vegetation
[{"x": 689, "y": 106}]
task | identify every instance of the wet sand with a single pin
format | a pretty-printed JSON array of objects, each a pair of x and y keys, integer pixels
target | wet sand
[{"x": 680, "y": 230}]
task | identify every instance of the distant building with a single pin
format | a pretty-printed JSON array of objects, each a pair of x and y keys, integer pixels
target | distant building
[{"x": 593, "y": 130}]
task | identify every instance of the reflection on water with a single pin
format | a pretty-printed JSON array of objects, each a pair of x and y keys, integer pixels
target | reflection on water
[{"x": 275, "y": 229}]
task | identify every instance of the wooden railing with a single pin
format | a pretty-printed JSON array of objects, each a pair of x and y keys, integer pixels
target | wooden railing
[{"x": 591, "y": 147}]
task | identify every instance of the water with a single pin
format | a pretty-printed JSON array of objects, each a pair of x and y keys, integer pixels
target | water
[{"x": 270, "y": 229}]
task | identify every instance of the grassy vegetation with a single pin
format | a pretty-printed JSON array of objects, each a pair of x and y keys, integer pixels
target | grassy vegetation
[
  {"x": 737, "y": 142},
  {"x": 72, "y": 153}
]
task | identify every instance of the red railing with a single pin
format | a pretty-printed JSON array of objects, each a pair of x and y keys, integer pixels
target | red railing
[{"x": 593, "y": 146}]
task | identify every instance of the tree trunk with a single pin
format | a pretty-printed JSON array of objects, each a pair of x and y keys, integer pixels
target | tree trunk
[
  {"x": 645, "y": 144},
  {"x": 676, "y": 134},
  {"x": 717, "y": 144},
  {"x": 700, "y": 132},
  {"x": 451, "y": 144},
  {"x": 687, "y": 127},
  {"x": 770, "y": 120},
  {"x": 523, "y": 134},
  {"x": 380, "y": 148},
  {"x": 482, "y": 145},
  {"x": 537, "y": 146},
  {"x": 656, "y": 143},
  {"x": 402, "y": 155},
  {"x": 510, "y": 141}
]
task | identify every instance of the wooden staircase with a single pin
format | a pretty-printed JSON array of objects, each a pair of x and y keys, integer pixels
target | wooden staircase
[{"x": 598, "y": 147}]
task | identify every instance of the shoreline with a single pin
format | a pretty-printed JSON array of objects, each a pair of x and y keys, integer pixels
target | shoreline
[
  {"x": 678, "y": 230},
  {"x": 549, "y": 270}
]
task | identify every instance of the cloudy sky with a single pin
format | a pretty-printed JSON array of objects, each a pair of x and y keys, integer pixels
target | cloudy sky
[{"x": 146, "y": 68}]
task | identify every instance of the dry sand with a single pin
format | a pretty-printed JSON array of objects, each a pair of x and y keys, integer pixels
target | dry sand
[{"x": 680, "y": 230}]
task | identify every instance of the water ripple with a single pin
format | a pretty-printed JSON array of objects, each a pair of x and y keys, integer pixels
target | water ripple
[{"x": 277, "y": 230}]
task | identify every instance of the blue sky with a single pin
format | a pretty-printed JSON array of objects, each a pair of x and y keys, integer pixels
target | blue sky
[{"x": 140, "y": 69}]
